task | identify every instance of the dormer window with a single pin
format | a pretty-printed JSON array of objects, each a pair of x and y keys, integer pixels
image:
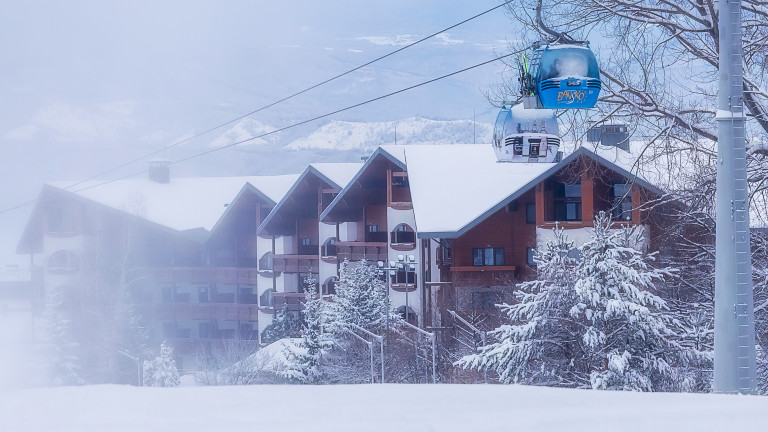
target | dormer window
[
  {"x": 621, "y": 201},
  {"x": 567, "y": 202}
]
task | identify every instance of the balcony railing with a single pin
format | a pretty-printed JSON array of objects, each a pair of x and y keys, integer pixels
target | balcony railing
[
  {"x": 204, "y": 275},
  {"x": 308, "y": 250},
  {"x": 356, "y": 251},
  {"x": 294, "y": 301},
  {"x": 295, "y": 263},
  {"x": 376, "y": 237},
  {"x": 483, "y": 275},
  {"x": 207, "y": 311}
]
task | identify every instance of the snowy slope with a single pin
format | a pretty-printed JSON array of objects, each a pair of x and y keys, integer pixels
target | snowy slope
[
  {"x": 373, "y": 407},
  {"x": 344, "y": 135}
]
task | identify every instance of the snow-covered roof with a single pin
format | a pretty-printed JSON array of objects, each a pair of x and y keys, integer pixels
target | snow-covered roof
[
  {"x": 452, "y": 185},
  {"x": 455, "y": 187},
  {"x": 336, "y": 175},
  {"x": 183, "y": 203}
]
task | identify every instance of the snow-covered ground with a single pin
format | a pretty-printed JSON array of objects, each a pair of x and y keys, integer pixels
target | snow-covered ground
[{"x": 373, "y": 408}]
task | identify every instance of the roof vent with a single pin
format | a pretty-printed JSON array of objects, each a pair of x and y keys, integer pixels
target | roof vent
[
  {"x": 160, "y": 171},
  {"x": 611, "y": 135}
]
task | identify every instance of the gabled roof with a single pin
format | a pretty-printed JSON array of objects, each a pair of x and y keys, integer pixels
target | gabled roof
[
  {"x": 452, "y": 185},
  {"x": 395, "y": 154},
  {"x": 334, "y": 175},
  {"x": 185, "y": 205},
  {"x": 519, "y": 183},
  {"x": 455, "y": 187}
]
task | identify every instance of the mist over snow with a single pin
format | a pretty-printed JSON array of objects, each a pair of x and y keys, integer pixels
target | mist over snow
[
  {"x": 86, "y": 86},
  {"x": 342, "y": 135}
]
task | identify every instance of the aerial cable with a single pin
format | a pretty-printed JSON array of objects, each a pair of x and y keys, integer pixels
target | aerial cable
[
  {"x": 340, "y": 110},
  {"x": 321, "y": 83}
]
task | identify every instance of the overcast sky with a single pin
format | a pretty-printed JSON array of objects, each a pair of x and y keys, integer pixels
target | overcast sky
[{"x": 86, "y": 85}]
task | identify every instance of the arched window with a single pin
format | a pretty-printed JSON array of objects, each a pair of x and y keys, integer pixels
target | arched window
[
  {"x": 63, "y": 262},
  {"x": 266, "y": 262},
  {"x": 329, "y": 248},
  {"x": 329, "y": 286},
  {"x": 266, "y": 299},
  {"x": 403, "y": 234}
]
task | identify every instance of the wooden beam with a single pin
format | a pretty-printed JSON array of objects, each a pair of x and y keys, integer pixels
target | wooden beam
[
  {"x": 636, "y": 203},
  {"x": 587, "y": 195},
  {"x": 540, "y": 204}
]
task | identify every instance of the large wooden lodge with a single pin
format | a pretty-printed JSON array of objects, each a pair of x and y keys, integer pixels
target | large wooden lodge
[{"x": 213, "y": 259}]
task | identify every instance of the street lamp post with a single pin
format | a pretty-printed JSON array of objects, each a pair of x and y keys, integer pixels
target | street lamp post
[
  {"x": 139, "y": 376},
  {"x": 403, "y": 263},
  {"x": 388, "y": 271}
]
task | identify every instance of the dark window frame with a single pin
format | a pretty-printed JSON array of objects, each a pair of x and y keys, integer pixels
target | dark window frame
[
  {"x": 530, "y": 213},
  {"x": 488, "y": 257}
]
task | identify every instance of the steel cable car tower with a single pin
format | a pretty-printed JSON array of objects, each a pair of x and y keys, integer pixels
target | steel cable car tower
[{"x": 735, "y": 368}]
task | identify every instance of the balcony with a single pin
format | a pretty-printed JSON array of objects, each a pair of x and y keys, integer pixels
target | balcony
[
  {"x": 296, "y": 263},
  {"x": 204, "y": 275},
  {"x": 308, "y": 250},
  {"x": 357, "y": 251},
  {"x": 483, "y": 275},
  {"x": 205, "y": 311},
  {"x": 294, "y": 301}
]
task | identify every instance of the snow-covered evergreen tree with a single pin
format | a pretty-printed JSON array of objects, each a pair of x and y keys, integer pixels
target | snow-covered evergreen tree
[
  {"x": 304, "y": 362},
  {"x": 360, "y": 299},
  {"x": 61, "y": 348},
  {"x": 591, "y": 321},
  {"x": 540, "y": 344},
  {"x": 284, "y": 325},
  {"x": 162, "y": 372}
]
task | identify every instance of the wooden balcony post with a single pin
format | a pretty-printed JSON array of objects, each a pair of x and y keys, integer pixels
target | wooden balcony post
[
  {"x": 587, "y": 195},
  {"x": 540, "y": 204},
  {"x": 636, "y": 202}
]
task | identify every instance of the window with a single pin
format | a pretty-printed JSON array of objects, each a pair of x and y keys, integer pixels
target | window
[
  {"x": 445, "y": 252},
  {"x": 485, "y": 300},
  {"x": 266, "y": 261},
  {"x": 63, "y": 262},
  {"x": 372, "y": 234},
  {"x": 621, "y": 198},
  {"x": 59, "y": 221},
  {"x": 266, "y": 299},
  {"x": 567, "y": 203},
  {"x": 403, "y": 234},
  {"x": 203, "y": 294},
  {"x": 329, "y": 248},
  {"x": 488, "y": 257},
  {"x": 405, "y": 275},
  {"x": 204, "y": 330},
  {"x": 530, "y": 213},
  {"x": 305, "y": 241},
  {"x": 530, "y": 253}
]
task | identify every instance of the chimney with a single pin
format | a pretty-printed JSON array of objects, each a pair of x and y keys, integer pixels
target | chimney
[{"x": 160, "y": 171}]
